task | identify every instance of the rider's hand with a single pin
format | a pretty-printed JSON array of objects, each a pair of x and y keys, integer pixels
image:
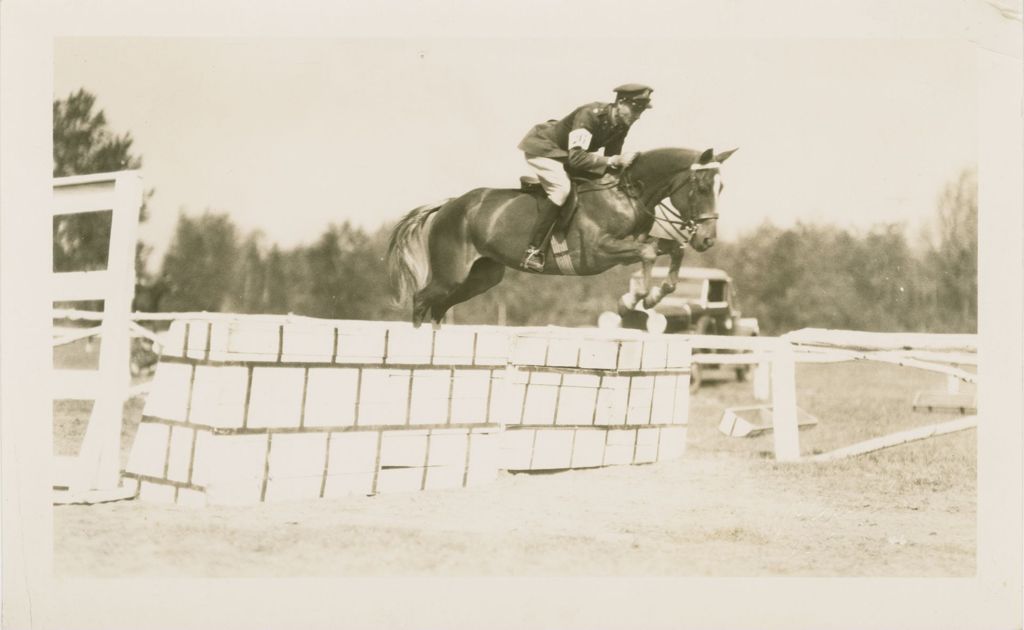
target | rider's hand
[{"x": 618, "y": 162}]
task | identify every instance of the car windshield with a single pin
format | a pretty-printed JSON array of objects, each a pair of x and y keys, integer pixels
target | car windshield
[{"x": 689, "y": 289}]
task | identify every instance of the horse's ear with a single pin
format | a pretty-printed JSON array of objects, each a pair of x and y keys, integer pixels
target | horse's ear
[
  {"x": 706, "y": 157},
  {"x": 724, "y": 155}
]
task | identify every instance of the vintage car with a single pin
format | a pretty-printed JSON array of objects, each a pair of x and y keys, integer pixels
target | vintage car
[{"x": 703, "y": 303}]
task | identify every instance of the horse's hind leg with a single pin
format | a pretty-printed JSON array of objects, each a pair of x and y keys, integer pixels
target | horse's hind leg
[
  {"x": 427, "y": 300},
  {"x": 484, "y": 274}
]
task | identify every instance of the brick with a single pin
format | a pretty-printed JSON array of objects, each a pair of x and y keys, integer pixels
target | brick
[
  {"x": 331, "y": 397},
  {"x": 232, "y": 468},
  {"x": 611, "y": 401},
  {"x": 454, "y": 346},
  {"x": 492, "y": 346},
  {"x": 408, "y": 345},
  {"x": 469, "y": 395},
  {"x": 218, "y": 396},
  {"x": 353, "y": 452},
  {"x": 663, "y": 406},
  {"x": 149, "y": 451},
  {"x": 672, "y": 443},
  {"x": 276, "y": 397},
  {"x": 447, "y": 448},
  {"x": 308, "y": 343},
  {"x": 552, "y": 450},
  {"x": 168, "y": 394},
  {"x": 173, "y": 340},
  {"x": 180, "y": 456},
  {"x": 253, "y": 341},
  {"x": 516, "y": 446},
  {"x": 297, "y": 463},
  {"x": 655, "y": 353},
  {"x": 641, "y": 390},
  {"x": 196, "y": 343},
  {"x": 563, "y": 351},
  {"x": 404, "y": 448},
  {"x": 577, "y": 399},
  {"x": 681, "y": 413},
  {"x": 599, "y": 354},
  {"x": 630, "y": 354},
  {"x": 383, "y": 397},
  {"x": 530, "y": 350},
  {"x": 430, "y": 393},
  {"x": 588, "y": 448},
  {"x": 541, "y": 394},
  {"x": 361, "y": 345}
]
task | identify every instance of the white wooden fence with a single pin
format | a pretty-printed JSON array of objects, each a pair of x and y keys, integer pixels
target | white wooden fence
[
  {"x": 94, "y": 473},
  {"x": 775, "y": 360}
]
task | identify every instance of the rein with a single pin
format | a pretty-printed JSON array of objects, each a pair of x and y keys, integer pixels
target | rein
[{"x": 685, "y": 225}]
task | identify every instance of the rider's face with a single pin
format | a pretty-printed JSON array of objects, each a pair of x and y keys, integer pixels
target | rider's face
[{"x": 627, "y": 112}]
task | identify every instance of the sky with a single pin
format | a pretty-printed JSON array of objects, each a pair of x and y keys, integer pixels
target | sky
[{"x": 290, "y": 135}]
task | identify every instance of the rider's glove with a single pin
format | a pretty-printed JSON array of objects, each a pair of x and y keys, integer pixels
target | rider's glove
[{"x": 621, "y": 161}]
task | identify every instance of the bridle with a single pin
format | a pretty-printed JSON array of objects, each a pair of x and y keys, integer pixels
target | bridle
[{"x": 686, "y": 226}]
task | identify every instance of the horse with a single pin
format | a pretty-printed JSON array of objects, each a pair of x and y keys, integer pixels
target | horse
[{"x": 449, "y": 252}]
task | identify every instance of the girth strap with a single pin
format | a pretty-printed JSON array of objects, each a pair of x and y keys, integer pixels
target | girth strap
[{"x": 561, "y": 251}]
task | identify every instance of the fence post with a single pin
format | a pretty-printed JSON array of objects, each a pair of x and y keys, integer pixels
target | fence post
[
  {"x": 762, "y": 381},
  {"x": 95, "y": 472},
  {"x": 784, "y": 419}
]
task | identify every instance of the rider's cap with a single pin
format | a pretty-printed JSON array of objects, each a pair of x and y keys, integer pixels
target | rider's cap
[{"x": 636, "y": 93}]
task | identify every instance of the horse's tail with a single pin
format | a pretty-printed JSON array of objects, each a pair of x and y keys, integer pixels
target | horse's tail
[{"x": 408, "y": 261}]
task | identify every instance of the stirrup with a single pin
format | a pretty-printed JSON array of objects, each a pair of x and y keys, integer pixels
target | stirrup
[{"x": 534, "y": 260}]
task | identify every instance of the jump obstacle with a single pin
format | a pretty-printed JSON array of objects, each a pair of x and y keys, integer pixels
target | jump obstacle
[{"x": 257, "y": 408}]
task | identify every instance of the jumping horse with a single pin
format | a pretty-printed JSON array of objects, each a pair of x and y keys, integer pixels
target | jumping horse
[{"x": 447, "y": 253}]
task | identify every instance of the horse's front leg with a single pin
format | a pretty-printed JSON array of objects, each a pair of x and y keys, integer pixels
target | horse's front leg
[
  {"x": 630, "y": 250},
  {"x": 675, "y": 252}
]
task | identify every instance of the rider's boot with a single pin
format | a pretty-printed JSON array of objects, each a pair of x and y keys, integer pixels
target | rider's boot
[{"x": 547, "y": 215}]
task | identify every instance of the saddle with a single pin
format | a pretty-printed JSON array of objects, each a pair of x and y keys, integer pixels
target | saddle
[{"x": 531, "y": 185}]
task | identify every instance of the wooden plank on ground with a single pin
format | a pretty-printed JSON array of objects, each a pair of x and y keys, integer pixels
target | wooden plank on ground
[{"x": 895, "y": 439}]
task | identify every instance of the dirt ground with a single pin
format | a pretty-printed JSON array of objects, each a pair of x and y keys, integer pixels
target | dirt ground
[{"x": 725, "y": 509}]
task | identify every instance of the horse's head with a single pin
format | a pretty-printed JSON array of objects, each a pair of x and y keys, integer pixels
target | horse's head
[
  {"x": 696, "y": 198},
  {"x": 691, "y": 188}
]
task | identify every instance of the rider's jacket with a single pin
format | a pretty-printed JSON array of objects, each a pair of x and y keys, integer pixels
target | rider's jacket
[{"x": 574, "y": 139}]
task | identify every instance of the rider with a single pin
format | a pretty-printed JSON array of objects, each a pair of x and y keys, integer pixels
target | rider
[{"x": 558, "y": 148}]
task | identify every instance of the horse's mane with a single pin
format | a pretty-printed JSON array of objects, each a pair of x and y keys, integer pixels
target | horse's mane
[{"x": 668, "y": 158}]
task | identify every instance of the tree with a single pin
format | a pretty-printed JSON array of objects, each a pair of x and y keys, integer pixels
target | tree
[
  {"x": 249, "y": 294},
  {"x": 277, "y": 286},
  {"x": 952, "y": 259},
  {"x": 200, "y": 265},
  {"x": 83, "y": 144}
]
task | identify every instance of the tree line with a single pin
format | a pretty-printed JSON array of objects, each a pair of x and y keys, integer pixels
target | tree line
[{"x": 806, "y": 275}]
